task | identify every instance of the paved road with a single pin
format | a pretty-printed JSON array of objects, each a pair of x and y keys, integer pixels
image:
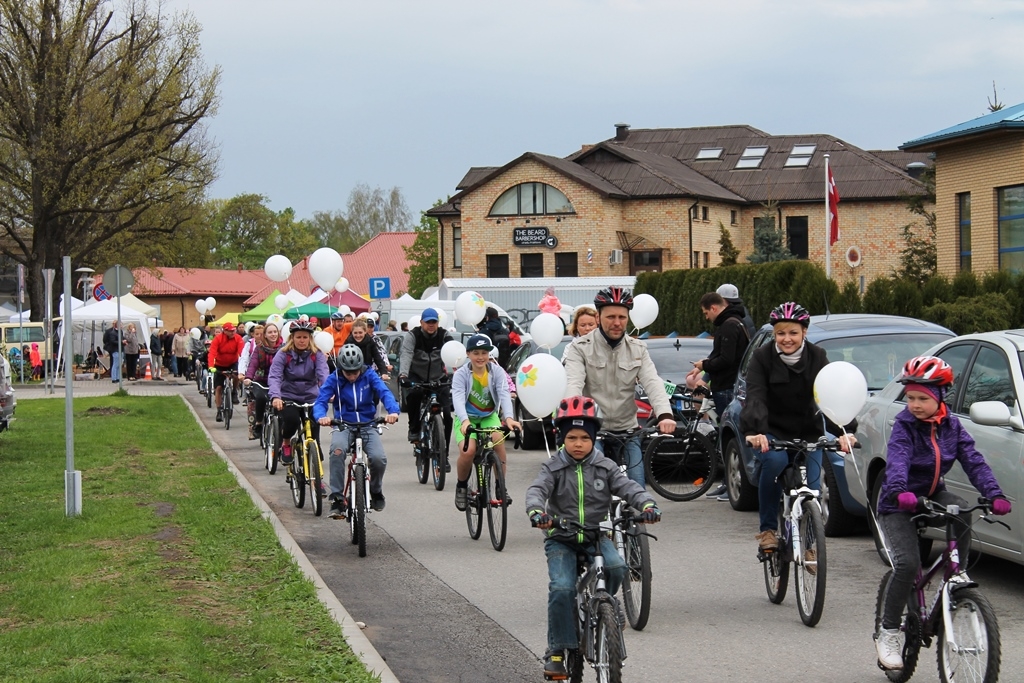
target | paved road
[{"x": 441, "y": 607}]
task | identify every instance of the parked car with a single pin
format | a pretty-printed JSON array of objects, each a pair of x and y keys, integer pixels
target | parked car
[
  {"x": 878, "y": 345},
  {"x": 673, "y": 358},
  {"x": 534, "y": 430},
  {"x": 986, "y": 397},
  {"x": 8, "y": 402}
]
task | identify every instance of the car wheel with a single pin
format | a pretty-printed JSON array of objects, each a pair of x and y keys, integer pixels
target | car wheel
[
  {"x": 742, "y": 494},
  {"x": 838, "y": 520}
]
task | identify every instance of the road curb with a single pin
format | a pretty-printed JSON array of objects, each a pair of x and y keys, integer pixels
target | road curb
[{"x": 354, "y": 635}]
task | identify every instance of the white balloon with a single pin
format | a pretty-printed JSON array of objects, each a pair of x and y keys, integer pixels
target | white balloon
[
  {"x": 414, "y": 321},
  {"x": 540, "y": 383},
  {"x": 342, "y": 285},
  {"x": 196, "y": 333},
  {"x": 375, "y": 315},
  {"x": 324, "y": 341},
  {"x": 547, "y": 330},
  {"x": 344, "y": 310},
  {"x": 470, "y": 308},
  {"x": 326, "y": 267},
  {"x": 201, "y": 306},
  {"x": 442, "y": 317},
  {"x": 453, "y": 353},
  {"x": 303, "y": 317},
  {"x": 840, "y": 391},
  {"x": 286, "y": 330},
  {"x": 281, "y": 302},
  {"x": 645, "y": 310},
  {"x": 278, "y": 268},
  {"x": 211, "y": 303},
  {"x": 275, "y": 319}
]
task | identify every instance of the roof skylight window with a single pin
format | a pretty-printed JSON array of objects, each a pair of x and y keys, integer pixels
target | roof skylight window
[
  {"x": 800, "y": 156},
  {"x": 708, "y": 153},
  {"x": 752, "y": 157}
]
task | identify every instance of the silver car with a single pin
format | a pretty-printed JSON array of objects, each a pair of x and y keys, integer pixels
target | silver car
[{"x": 986, "y": 397}]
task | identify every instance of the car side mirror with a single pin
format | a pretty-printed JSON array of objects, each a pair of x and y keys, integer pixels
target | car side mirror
[{"x": 990, "y": 413}]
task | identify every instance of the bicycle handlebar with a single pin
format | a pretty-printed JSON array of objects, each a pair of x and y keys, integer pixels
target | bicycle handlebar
[
  {"x": 566, "y": 524},
  {"x": 358, "y": 425},
  {"x": 622, "y": 437},
  {"x": 517, "y": 442},
  {"x": 933, "y": 510},
  {"x": 824, "y": 444}
]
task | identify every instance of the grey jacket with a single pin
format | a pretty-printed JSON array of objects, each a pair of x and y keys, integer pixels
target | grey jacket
[
  {"x": 497, "y": 381},
  {"x": 608, "y": 375},
  {"x": 421, "y": 355},
  {"x": 581, "y": 490}
]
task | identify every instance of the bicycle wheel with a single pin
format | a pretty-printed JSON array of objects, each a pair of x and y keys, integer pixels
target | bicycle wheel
[
  {"x": 298, "y": 478},
  {"x": 208, "y": 390},
  {"x": 315, "y": 477},
  {"x": 607, "y": 644},
  {"x": 810, "y": 578},
  {"x": 776, "y": 569},
  {"x": 911, "y": 631},
  {"x": 474, "y": 513},
  {"x": 497, "y": 507},
  {"x": 438, "y": 451},
  {"x": 680, "y": 468},
  {"x": 272, "y": 435},
  {"x": 975, "y": 657},
  {"x": 636, "y": 589},
  {"x": 228, "y": 408},
  {"x": 357, "y": 509}
]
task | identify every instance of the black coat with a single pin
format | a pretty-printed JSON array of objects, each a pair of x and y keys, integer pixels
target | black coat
[
  {"x": 730, "y": 343},
  {"x": 110, "y": 341}
]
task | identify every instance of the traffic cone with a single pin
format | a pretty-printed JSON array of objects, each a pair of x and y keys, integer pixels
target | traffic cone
[{"x": 149, "y": 375}]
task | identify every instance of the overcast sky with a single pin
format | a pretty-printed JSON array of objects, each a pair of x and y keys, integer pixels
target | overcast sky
[{"x": 318, "y": 96}]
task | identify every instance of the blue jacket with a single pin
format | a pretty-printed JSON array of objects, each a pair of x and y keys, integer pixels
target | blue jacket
[
  {"x": 354, "y": 401},
  {"x": 910, "y": 463}
]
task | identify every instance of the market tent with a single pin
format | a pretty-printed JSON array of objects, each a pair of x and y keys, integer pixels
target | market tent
[
  {"x": 6, "y": 312},
  {"x": 264, "y": 310},
  {"x": 314, "y": 309},
  {"x": 27, "y": 315},
  {"x": 324, "y": 308},
  {"x": 338, "y": 299},
  {"x": 138, "y": 304},
  {"x": 226, "y": 318},
  {"x": 98, "y": 317}
]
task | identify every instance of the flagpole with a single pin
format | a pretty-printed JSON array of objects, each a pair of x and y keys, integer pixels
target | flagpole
[{"x": 828, "y": 228}]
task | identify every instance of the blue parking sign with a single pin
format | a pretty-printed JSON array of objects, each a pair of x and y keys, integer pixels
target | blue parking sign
[{"x": 380, "y": 287}]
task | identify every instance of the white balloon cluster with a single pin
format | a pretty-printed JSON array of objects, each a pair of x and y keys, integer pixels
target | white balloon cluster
[{"x": 470, "y": 308}]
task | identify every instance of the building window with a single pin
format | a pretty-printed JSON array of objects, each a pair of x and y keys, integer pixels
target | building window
[
  {"x": 531, "y": 265},
  {"x": 645, "y": 262},
  {"x": 457, "y": 247},
  {"x": 707, "y": 259},
  {"x": 694, "y": 212},
  {"x": 696, "y": 259},
  {"x": 531, "y": 199},
  {"x": 800, "y": 156},
  {"x": 732, "y": 217},
  {"x": 963, "y": 210},
  {"x": 1011, "y": 228},
  {"x": 752, "y": 157},
  {"x": 704, "y": 213},
  {"x": 796, "y": 235},
  {"x": 709, "y": 153},
  {"x": 566, "y": 264},
  {"x": 497, "y": 265}
]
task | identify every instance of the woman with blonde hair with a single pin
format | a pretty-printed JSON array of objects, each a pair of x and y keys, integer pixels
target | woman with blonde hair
[
  {"x": 584, "y": 320},
  {"x": 131, "y": 350}
]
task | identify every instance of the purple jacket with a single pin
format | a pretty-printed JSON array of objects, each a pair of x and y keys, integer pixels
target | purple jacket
[
  {"x": 296, "y": 376},
  {"x": 910, "y": 464}
]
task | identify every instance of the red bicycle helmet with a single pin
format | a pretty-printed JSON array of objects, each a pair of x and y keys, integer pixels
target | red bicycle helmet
[
  {"x": 578, "y": 407},
  {"x": 926, "y": 370},
  {"x": 614, "y": 296}
]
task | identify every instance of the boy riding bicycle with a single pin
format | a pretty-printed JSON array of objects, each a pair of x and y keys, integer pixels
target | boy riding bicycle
[
  {"x": 479, "y": 392},
  {"x": 354, "y": 390},
  {"x": 926, "y": 440},
  {"x": 577, "y": 483}
]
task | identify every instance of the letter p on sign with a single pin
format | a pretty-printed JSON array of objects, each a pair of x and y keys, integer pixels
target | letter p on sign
[{"x": 380, "y": 287}]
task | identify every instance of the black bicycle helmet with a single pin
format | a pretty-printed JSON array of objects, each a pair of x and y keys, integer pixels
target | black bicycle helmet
[
  {"x": 301, "y": 326},
  {"x": 337, "y": 315},
  {"x": 350, "y": 358},
  {"x": 614, "y": 296},
  {"x": 790, "y": 312}
]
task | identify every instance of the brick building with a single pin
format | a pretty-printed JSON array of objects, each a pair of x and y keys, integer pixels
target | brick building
[
  {"x": 979, "y": 192},
  {"x": 654, "y": 199}
]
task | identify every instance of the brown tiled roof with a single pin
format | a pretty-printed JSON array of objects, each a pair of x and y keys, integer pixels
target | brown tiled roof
[
  {"x": 195, "y": 282},
  {"x": 901, "y": 159},
  {"x": 474, "y": 174}
]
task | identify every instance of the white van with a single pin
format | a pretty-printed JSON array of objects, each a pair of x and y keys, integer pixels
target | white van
[{"x": 403, "y": 310}]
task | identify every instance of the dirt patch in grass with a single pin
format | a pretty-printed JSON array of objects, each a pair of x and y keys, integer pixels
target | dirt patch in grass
[
  {"x": 105, "y": 410},
  {"x": 163, "y": 509}
]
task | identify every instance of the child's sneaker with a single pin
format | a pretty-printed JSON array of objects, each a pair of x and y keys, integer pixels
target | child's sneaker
[
  {"x": 554, "y": 666},
  {"x": 286, "y": 454},
  {"x": 889, "y": 648}
]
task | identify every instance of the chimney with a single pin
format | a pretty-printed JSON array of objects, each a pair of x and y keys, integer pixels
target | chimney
[
  {"x": 239, "y": 267},
  {"x": 621, "y": 132},
  {"x": 916, "y": 168}
]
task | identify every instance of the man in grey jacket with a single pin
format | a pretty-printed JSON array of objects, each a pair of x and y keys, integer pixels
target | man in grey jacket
[
  {"x": 606, "y": 365},
  {"x": 421, "y": 362}
]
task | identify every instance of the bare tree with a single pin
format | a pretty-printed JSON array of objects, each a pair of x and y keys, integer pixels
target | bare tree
[{"x": 101, "y": 128}]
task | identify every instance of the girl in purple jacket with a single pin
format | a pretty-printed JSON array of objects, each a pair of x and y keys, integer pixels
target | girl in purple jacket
[{"x": 926, "y": 440}]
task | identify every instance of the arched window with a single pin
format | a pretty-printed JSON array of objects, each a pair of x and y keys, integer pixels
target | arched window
[{"x": 531, "y": 199}]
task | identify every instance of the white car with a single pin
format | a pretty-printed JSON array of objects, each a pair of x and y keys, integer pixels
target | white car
[{"x": 986, "y": 397}]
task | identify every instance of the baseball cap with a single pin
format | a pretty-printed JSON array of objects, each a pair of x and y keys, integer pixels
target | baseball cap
[
  {"x": 429, "y": 315},
  {"x": 728, "y": 292},
  {"x": 479, "y": 341},
  {"x": 229, "y": 327}
]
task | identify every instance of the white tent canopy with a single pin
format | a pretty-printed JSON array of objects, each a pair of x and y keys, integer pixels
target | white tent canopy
[
  {"x": 26, "y": 315},
  {"x": 99, "y": 316},
  {"x": 135, "y": 302}
]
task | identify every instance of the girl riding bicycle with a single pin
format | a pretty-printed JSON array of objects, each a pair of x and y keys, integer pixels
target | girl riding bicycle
[
  {"x": 577, "y": 483},
  {"x": 296, "y": 374},
  {"x": 257, "y": 369},
  {"x": 780, "y": 404},
  {"x": 926, "y": 440}
]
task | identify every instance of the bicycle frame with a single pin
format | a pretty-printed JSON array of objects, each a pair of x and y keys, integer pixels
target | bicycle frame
[
  {"x": 357, "y": 456},
  {"x": 793, "y": 509},
  {"x": 307, "y": 431}
]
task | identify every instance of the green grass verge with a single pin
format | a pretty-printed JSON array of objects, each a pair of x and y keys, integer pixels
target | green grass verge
[{"x": 170, "y": 574}]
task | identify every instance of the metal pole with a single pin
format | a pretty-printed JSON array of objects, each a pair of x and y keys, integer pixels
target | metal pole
[
  {"x": 21, "y": 320},
  {"x": 828, "y": 228},
  {"x": 72, "y": 477},
  {"x": 120, "y": 341}
]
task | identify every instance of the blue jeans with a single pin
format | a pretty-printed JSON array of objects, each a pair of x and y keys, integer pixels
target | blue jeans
[
  {"x": 562, "y": 588},
  {"x": 769, "y": 492},
  {"x": 115, "y": 366},
  {"x": 721, "y": 399},
  {"x": 374, "y": 449},
  {"x": 174, "y": 365},
  {"x": 634, "y": 458}
]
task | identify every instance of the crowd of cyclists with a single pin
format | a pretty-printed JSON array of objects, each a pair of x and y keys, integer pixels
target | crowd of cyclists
[{"x": 602, "y": 364}]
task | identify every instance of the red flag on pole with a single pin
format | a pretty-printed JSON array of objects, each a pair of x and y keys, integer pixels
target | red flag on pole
[{"x": 833, "y": 209}]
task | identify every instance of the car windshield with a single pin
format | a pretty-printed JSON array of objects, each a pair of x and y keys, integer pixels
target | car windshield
[
  {"x": 670, "y": 360},
  {"x": 880, "y": 357}
]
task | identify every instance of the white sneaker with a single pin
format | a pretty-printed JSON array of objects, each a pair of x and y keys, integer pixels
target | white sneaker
[{"x": 889, "y": 645}]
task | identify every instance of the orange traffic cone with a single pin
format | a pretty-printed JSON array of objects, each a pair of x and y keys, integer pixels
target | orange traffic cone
[{"x": 149, "y": 375}]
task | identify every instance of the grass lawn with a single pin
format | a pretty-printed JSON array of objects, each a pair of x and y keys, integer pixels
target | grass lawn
[{"x": 170, "y": 574}]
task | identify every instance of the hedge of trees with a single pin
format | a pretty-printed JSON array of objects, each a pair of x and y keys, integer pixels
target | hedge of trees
[{"x": 965, "y": 304}]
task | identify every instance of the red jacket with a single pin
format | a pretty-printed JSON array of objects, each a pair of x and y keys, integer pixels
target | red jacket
[{"x": 225, "y": 352}]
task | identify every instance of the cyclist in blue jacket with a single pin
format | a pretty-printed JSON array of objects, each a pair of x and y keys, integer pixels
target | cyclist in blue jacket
[{"x": 355, "y": 390}]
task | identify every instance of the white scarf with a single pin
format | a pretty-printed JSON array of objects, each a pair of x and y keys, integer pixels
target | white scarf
[{"x": 791, "y": 359}]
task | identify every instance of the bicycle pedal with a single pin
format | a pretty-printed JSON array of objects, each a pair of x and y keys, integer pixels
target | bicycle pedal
[{"x": 765, "y": 555}]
